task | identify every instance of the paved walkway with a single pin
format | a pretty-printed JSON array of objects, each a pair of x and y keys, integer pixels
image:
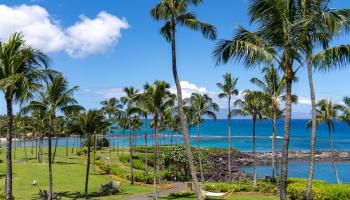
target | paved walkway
[{"x": 176, "y": 187}]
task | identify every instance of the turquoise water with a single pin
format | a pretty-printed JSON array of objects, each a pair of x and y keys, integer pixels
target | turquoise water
[{"x": 214, "y": 134}]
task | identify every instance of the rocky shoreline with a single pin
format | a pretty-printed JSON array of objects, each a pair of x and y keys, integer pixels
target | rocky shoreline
[{"x": 218, "y": 161}]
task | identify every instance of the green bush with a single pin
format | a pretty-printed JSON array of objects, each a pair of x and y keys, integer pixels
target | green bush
[
  {"x": 182, "y": 194},
  {"x": 320, "y": 190},
  {"x": 264, "y": 187},
  {"x": 104, "y": 166}
]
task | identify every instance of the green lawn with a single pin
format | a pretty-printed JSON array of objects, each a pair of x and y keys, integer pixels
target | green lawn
[{"x": 69, "y": 178}]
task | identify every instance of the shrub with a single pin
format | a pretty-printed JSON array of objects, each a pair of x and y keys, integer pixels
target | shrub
[
  {"x": 320, "y": 190},
  {"x": 181, "y": 194},
  {"x": 264, "y": 187}
]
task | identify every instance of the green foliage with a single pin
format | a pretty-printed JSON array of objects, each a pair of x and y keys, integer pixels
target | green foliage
[
  {"x": 263, "y": 187},
  {"x": 176, "y": 162},
  {"x": 320, "y": 190},
  {"x": 141, "y": 177},
  {"x": 182, "y": 194},
  {"x": 104, "y": 167}
]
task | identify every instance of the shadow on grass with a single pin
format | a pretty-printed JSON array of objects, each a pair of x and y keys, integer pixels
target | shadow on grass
[
  {"x": 65, "y": 163},
  {"x": 75, "y": 195}
]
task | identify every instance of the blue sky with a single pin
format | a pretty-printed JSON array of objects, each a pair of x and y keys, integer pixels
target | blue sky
[{"x": 136, "y": 53}]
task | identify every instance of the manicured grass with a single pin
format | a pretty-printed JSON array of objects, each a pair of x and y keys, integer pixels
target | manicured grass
[{"x": 69, "y": 178}]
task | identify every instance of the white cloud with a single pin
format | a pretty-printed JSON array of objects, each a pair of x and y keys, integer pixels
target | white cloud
[
  {"x": 85, "y": 37},
  {"x": 188, "y": 88},
  {"x": 304, "y": 100}
]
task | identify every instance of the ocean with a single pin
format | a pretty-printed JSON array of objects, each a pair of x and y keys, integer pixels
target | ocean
[{"x": 214, "y": 135}]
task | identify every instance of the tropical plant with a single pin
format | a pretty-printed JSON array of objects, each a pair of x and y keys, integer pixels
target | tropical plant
[
  {"x": 346, "y": 111},
  {"x": 19, "y": 76},
  {"x": 111, "y": 108},
  {"x": 320, "y": 24},
  {"x": 90, "y": 123},
  {"x": 274, "y": 42},
  {"x": 228, "y": 90},
  {"x": 272, "y": 85},
  {"x": 174, "y": 13},
  {"x": 203, "y": 105},
  {"x": 253, "y": 105},
  {"x": 158, "y": 101},
  {"x": 58, "y": 97},
  {"x": 135, "y": 125},
  {"x": 327, "y": 113}
]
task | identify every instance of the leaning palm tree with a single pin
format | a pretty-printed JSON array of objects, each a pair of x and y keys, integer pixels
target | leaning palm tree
[
  {"x": 19, "y": 75},
  {"x": 158, "y": 100},
  {"x": 203, "y": 106},
  {"x": 91, "y": 123},
  {"x": 272, "y": 85},
  {"x": 327, "y": 112},
  {"x": 228, "y": 90},
  {"x": 252, "y": 104},
  {"x": 273, "y": 43},
  {"x": 58, "y": 97},
  {"x": 111, "y": 107},
  {"x": 174, "y": 14}
]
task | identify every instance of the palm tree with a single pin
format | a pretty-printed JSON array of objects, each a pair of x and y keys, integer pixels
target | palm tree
[
  {"x": 174, "y": 13},
  {"x": 91, "y": 123},
  {"x": 253, "y": 104},
  {"x": 203, "y": 105},
  {"x": 158, "y": 100},
  {"x": 70, "y": 118},
  {"x": 58, "y": 97},
  {"x": 123, "y": 124},
  {"x": 346, "y": 111},
  {"x": 327, "y": 112},
  {"x": 19, "y": 75},
  {"x": 228, "y": 90},
  {"x": 272, "y": 85},
  {"x": 274, "y": 42},
  {"x": 135, "y": 125},
  {"x": 111, "y": 107}
]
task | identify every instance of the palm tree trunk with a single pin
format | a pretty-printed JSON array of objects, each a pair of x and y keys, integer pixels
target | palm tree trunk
[
  {"x": 183, "y": 123},
  {"x": 199, "y": 151},
  {"x": 67, "y": 143},
  {"x": 285, "y": 147},
  {"x": 131, "y": 158},
  {"x": 254, "y": 151},
  {"x": 313, "y": 131},
  {"x": 55, "y": 150},
  {"x": 25, "y": 149},
  {"x": 229, "y": 139},
  {"x": 8, "y": 179},
  {"x": 333, "y": 154},
  {"x": 87, "y": 171},
  {"x": 49, "y": 157},
  {"x": 146, "y": 153},
  {"x": 155, "y": 160},
  {"x": 94, "y": 159},
  {"x": 109, "y": 147},
  {"x": 32, "y": 149},
  {"x": 274, "y": 141},
  {"x": 36, "y": 148},
  {"x": 15, "y": 144},
  {"x": 123, "y": 137}
]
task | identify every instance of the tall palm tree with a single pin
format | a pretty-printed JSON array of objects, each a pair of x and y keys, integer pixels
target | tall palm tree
[
  {"x": 174, "y": 14},
  {"x": 70, "y": 118},
  {"x": 253, "y": 104},
  {"x": 19, "y": 65},
  {"x": 228, "y": 90},
  {"x": 159, "y": 100},
  {"x": 123, "y": 124},
  {"x": 327, "y": 113},
  {"x": 273, "y": 43},
  {"x": 203, "y": 106},
  {"x": 58, "y": 97},
  {"x": 273, "y": 86},
  {"x": 111, "y": 107},
  {"x": 91, "y": 123}
]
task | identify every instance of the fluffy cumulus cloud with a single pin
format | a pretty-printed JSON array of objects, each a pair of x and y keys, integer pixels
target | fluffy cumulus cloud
[
  {"x": 188, "y": 88},
  {"x": 87, "y": 36}
]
